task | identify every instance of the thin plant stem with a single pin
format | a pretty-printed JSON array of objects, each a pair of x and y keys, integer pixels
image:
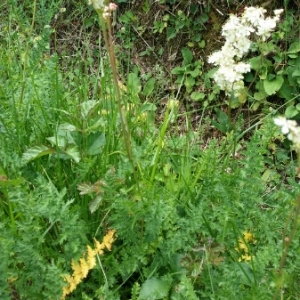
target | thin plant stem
[
  {"x": 107, "y": 35},
  {"x": 287, "y": 242},
  {"x": 102, "y": 269},
  {"x": 26, "y": 56}
]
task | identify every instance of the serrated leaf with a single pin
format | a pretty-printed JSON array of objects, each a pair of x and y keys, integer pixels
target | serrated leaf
[
  {"x": 154, "y": 288},
  {"x": 95, "y": 203},
  {"x": 87, "y": 107},
  {"x": 35, "y": 152},
  {"x": 73, "y": 152},
  {"x": 272, "y": 86},
  {"x": 95, "y": 142}
]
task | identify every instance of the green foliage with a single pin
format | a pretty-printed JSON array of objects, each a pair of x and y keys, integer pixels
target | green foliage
[
  {"x": 38, "y": 245},
  {"x": 275, "y": 69},
  {"x": 189, "y": 74},
  {"x": 182, "y": 206}
]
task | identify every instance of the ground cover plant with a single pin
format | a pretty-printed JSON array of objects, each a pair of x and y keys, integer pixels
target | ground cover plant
[{"x": 136, "y": 162}]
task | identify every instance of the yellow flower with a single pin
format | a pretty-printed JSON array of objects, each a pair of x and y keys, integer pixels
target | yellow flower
[
  {"x": 245, "y": 257},
  {"x": 242, "y": 246},
  {"x": 86, "y": 263},
  {"x": 91, "y": 260},
  {"x": 248, "y": 236},
  {"x": 109, "y": 239}
]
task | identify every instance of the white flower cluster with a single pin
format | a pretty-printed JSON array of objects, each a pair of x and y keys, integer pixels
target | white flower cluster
[
  {"x": 106, "y": 9},
  {"x": 237, "y": 32},
  {"x": 290, "y": 128}
]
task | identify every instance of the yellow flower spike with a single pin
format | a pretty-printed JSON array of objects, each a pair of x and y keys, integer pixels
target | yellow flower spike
[
  {"x": 84, "y": 267},
  {"x": 77, "y": 274},
  {"x": 248, "y": 236},
  {"x": 86, "y": 263},
  {"x": 242, "y": 245},
  {"x": 91, "y": 260},
  {"x": 109, "y": 239},
  {"x": 246, "y": 257},
  {"x": 99, "y": 247}
]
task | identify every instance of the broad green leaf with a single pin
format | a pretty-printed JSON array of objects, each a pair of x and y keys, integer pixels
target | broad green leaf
[
  {"x": 35, "y": 152},
  {"x": 178, "y": 71},
  {"x": 58, "y": 141},
  {"x": 187, "y": 55},
  {"x": 133, "y": 83},
  {"x": 73, "y": 152},
  {"x": 189, "y": 81},
  {"x": 148, "y": 107},
  {"x": 88, "y": 22},
  {"x": 154, "y": 288},
  {"x": 258, "y": 62},
  {"x": 260, "y": 95},
  {"x": 67, "y": 127},
  {"x": 202, "y": 44},
  {"x": 99, "y": 123},
  {"x": 294, "y": 48},
  {"x": 149, "y": 87},
  {"x": 196, "y": 72},
  {"x": 196, "y": 96},
  {"x": 95, "y": 142},
  {"x": 272, "y": 86},
  {"x": 296, "y": 73},
  {"x": 223, "y": 124},
  {"x": 95, "y": 203},
  {"x": 291, "y": 112},
  {"x": 87, "y": 107},
  {"x": 171, "y": 33},
  {"x": 285, "y": 91}
]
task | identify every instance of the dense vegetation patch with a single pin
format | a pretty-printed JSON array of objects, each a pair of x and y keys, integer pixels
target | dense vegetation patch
[{"x": 143, "y": 152}]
